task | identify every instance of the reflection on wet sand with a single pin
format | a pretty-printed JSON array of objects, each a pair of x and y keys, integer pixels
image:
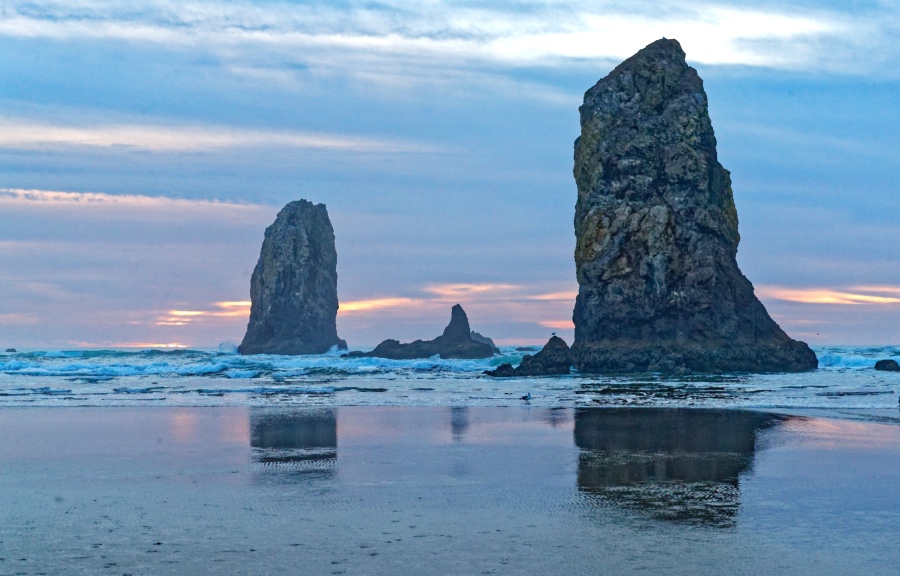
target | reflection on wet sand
[
  {"x": 673, "y": 464},
  {"x": 300, "y": 437},
  {"x": 459, "y": 422}
]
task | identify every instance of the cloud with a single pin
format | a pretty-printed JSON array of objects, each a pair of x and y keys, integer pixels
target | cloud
[
  {"x": 229, "y": 310},
  {"x": 558, "y": 324},
  {"x": 94, "y": 200},
  {"x": 453, "y": 292},
  {"x": 449, "y": 33},
  {"x": 377, "y": 304},
  {"x": 851, "y": 297},
  {"x": 22, "y": 134}
]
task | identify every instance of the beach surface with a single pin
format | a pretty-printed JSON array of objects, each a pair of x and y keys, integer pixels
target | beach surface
[{"x": 428, "y": 490}]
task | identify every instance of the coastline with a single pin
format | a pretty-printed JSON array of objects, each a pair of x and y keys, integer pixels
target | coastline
[{"x": 377, "y": 490}]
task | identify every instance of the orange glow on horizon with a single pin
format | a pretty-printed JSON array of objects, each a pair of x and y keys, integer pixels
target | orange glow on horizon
[
  {"x": 558, "y": 324},
  {"x": 377, "y": 304},
  {"x": 827, "y": 296},
  {"x": 556, "y": 296}
]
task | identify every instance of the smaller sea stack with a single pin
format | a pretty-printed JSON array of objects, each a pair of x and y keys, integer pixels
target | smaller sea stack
[
  {"x": 293, "y": 290},
  {"x": 456, "y": 342},
  {"x": 553, "y": 360}
]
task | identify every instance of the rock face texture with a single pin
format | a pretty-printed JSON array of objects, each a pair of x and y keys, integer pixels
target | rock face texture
[
  {"x": 455, "y": 342},
  {"x": 554, "y": 359},
  {"x": 293, "y": 290},
  {"x": 657, "y": 233},
  {"x": 887, "y": 366}
]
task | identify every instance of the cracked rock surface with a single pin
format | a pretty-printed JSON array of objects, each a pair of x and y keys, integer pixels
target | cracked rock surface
[
  {"x": 293, "y": 290},
  {"x": 657, "y": 233}
]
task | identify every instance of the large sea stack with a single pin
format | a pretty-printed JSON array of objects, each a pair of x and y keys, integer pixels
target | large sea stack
[
  {"x": 293, "y": 291},
  {"x": 657, "y": 233}
]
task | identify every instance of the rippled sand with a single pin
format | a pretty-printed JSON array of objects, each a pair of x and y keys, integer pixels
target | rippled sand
[{"x": 404, "y": 490}]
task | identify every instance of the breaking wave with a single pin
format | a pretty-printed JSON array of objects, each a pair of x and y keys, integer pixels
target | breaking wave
[{"x": 845, "y": 379}]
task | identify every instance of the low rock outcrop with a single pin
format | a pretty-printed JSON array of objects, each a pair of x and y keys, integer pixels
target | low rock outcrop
[
  {"x": 554, "y": 359},
  {"x": 455, "y": 342},
  {"x": 293, "y": 290},
  {"x": 657, "y": 233},
  {"x": 887, "y": 366},
  {"x": 484, "y": 339}
]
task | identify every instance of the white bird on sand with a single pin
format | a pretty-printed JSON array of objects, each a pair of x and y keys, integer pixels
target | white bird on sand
[{"x": 527, "y": 397}]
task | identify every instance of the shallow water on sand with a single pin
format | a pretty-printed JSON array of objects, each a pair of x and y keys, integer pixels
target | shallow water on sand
[
  {"x": 467, "y": 490},
  {"x": 845, "y": 380}
]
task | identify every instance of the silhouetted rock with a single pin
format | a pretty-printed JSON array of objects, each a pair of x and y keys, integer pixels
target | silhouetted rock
[
  {"x": 294, "y": 285},
  {"x": 887, "y": 365},
  {"x": 657, "y": 233},
  {"x": 484, "y": 339},
  {"x": 11, "y": 350},
  {"x": 455, "y": 342},
  {"x": 528, "y": 349},
  {"x": 554, "y": 359}
]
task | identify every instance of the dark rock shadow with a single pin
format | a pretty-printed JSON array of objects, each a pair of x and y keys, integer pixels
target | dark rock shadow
[
  {"x": 298, "y": 441},
  {"x": 673, "y": 464}
]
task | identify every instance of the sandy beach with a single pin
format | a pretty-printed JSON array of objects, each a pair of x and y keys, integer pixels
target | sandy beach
[{"x": 368, "y": 490}]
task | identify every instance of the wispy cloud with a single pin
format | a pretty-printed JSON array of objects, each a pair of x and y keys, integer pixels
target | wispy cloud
[
  {"x": 23, "y": 134},
  {"x": 22, "y": 197},
  {"x": 228, "y": 310},
  {"x": 852, "y": 296},
  {"x": 355, "y": 306},
  {"x": 450, "y": 32}
]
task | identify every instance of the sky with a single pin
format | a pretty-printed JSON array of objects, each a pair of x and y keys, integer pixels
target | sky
[{"x": 145, "y": 146}]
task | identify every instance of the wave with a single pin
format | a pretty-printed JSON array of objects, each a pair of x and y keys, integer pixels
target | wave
[
  {"x": 198, "y": 363},
  {"x": 855, "y": 358}
]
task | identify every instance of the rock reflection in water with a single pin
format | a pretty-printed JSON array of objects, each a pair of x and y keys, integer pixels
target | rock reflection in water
[
  {"x": 459, "y": 422},
  {"x": 300, "y": 439},
  {"x": 674, "y": 464}
]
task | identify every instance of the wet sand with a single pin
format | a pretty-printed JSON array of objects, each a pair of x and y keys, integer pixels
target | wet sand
[{"x": 366, "y": 490}]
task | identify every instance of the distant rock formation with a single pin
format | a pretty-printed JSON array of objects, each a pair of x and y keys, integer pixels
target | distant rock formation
[
  {"x": 657, "y": 233},
  {"x": 887, "y": 366},
  {"x": 554, "y": 359},
  {"x": 455, "y": 342},
  {"x": 11, "y": 350},
  {"x": 484, "y": 339},
  {"x": 293, "y": 290}
]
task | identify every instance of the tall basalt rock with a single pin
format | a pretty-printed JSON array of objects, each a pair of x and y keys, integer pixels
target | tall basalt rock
[
  {"x": 293, "y": 290},
  {"x": 657, "y": 233}
]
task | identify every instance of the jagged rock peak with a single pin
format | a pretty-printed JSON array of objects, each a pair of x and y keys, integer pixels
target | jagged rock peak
[
  {"x": 458, "y": 329},
  {"x": 657, "y": 233},
  {"x": 455, "y": 342},
  {"x": 293, "y": 290}
]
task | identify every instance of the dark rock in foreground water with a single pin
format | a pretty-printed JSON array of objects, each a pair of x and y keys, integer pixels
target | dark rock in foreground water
[
  {"x": 294, "y": 285},
  {"x": 455, "y": 342},
  {"x": 554, "y": 359},
  {"x": 657, "y": 233},
  {"x": 887, "y": 366}
]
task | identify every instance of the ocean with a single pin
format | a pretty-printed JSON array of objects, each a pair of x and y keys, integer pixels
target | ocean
[{"x": 845, "y": 379}]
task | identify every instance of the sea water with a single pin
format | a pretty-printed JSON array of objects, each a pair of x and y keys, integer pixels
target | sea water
[{"x": 845, "y": 379}]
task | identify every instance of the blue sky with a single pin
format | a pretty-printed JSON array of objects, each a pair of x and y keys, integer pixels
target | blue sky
[{"x": 145, "y": 146}]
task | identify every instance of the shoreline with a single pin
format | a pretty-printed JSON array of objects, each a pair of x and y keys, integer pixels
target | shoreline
[{"x": 411, "y": 490}]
